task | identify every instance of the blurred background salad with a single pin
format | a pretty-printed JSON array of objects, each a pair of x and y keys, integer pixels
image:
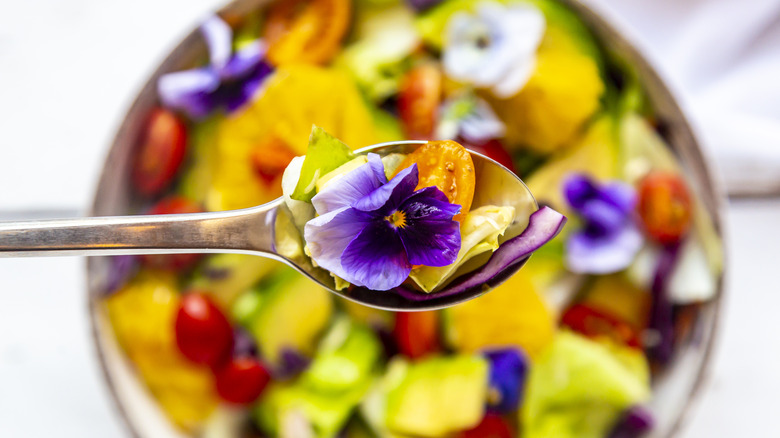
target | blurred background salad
[{"x": 69, "y": 69}]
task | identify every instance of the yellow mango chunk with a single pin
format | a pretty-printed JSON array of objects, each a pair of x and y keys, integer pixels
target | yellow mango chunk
[{"x": 511, "y": 315}]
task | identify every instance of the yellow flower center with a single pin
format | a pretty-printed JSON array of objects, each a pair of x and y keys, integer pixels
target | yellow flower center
[{"x": 397, "y": 219}]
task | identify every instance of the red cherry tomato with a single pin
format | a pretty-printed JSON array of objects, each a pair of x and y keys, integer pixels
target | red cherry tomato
[
  {"x": 418, "y": 101},
  {"x": 172, "y": 262},
  {"x": 493, "y": 149},
  {"x": 242, "y": 380},
  {"x": 665, "y": 207},
  {"x": 492, "y": 426},
  {"x": 203, "y": 334},
  {"x": 416, "y": 333},
  {"x": 596, "y": 324},
  {"x": 161, "y": 151}
]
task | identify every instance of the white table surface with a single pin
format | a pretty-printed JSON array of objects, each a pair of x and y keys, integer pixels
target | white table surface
[{"x": 62, "y": 92}]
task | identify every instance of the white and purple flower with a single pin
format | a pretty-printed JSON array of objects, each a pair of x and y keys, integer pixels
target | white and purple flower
[
  {"x": 370, "y": 231},
  {"x": 494, "y": 48},
  {"x": 228, "y": 82},
  {"x": 609, "y": 238},
  {"x": 470, "y": 117}
]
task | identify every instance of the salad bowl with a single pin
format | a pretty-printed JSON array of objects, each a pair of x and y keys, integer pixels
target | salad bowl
[{"x": 677, "y": 371}]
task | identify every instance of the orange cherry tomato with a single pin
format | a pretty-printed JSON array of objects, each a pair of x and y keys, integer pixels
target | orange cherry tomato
[
  {"x": 448, "y": 166},
  {"x": 172, "y": 262},
  {"x": 242, "y": 380},
  {"x": 664, "y": 206},
  {"x": 270, "y": 158},
  {"x": 492, "y": 426},
  {"x": 203, "y": 333},
  {"x": 160, "y": 152},
  {"x": 418, "y": 101},
  {"x": 597, "y": 324},
  {"x": 306, "y": 31},
  {"x": 417, "y": 333}
]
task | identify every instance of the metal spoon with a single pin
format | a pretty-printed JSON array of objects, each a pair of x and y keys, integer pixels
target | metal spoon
[{"x": 248, "y": 231}]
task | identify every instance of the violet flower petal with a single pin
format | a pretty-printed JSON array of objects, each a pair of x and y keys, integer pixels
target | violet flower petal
[
  {"x": 387, "y": 198},
  {"x": 243, "y": 61},
  {"x": 328, "y": 235},
  {"x": 430, "y": 237},
  {"x": 120, "y": 269},
  {"x": 620, "y": 195},
  {"x": 601, "y": 218},
  {"x": 189, "y": 91},
  {"x": 234, "y": 94},
  {"x": 348, "y": 189},
  {"x": 376, "y": 258},
  {"x": 375, "y": 161},
  {"x": 578, "y": 189},
  {"x": 219, "y": 39},
  {"x": 602, "y": 255},
  {"x": 508, "y": 371}
]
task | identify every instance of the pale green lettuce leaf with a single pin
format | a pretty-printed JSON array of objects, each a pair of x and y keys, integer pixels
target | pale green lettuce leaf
[{"x": 579, "y": 387}]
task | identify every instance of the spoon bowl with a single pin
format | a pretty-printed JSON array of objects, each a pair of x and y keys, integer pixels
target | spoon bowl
[{"x": 256, "y": 231}]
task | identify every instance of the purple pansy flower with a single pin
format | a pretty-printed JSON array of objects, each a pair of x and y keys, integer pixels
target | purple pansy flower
[
  {"x": 508, "y": 370},
  {"x": 609, "y": 238},
  {"x": 370, "y": 231},
  {"x": 228, "y": 82}
]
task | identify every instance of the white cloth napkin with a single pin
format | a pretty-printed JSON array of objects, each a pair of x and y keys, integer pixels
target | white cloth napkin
[{"x": 722, "y": 57}]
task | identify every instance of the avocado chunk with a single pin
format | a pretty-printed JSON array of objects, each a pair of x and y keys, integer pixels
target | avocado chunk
[
  {"x": 326, "y": 393},
  {"x": 579, "y": 387},
  {"x": 291, "y": 315},
  {"x": 438, "y": 396}
]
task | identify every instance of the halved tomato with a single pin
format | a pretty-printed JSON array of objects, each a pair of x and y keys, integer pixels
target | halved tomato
[
  {"x": 418, "y": 101},
  {"x": 495, "y": 150},
  {"x": 594, "y": 323},
  {"x": 447, "y": 165},
  {"x": 492, "y": 426},
  {"x": 665, "y": 206},
  {"x": 417, "y": 333},
  {"x": 306, "y": 31},
  {"x": 242, "y": 380},
  {"x": 161, "y": 151},
  {"x": 203, "y": 333}
]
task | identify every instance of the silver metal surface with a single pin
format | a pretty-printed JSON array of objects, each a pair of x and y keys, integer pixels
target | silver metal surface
[{"x": 248, "y": 231}]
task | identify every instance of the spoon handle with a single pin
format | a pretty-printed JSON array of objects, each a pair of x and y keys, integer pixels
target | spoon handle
[{"x": 248, "y": 230}]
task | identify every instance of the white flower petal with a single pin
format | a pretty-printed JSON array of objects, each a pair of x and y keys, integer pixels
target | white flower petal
[
  {"x": 518, "y": 76},
  {"x": 462, "y": 57},
  {"x": 219, "y": 38}
]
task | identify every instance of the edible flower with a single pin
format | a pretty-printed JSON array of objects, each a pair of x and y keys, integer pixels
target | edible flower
[
  {"x": 508, "y": 370},
  {"x": 609, "y": 238},
  {"x": 494, "y": 48},
  {"x": 469, "y": 117},
  {"x": 370, "y": 231},
  {"x": 228, "y": 82}
]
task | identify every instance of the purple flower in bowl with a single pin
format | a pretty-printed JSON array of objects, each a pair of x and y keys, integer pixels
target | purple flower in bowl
[
  {"x": 370, "y": 231},
  {"x": 508, "y": 372},
  {"x": 228, "y": 82},
  {"x": 609, "y": 238}
]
